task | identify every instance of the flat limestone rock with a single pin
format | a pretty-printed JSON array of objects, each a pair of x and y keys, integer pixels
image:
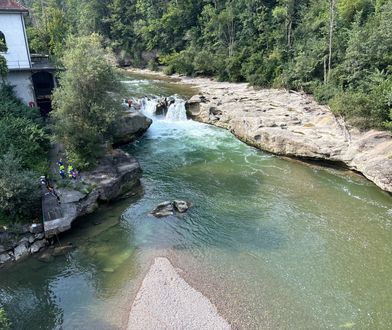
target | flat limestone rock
[{"x": 166, "y": 301}]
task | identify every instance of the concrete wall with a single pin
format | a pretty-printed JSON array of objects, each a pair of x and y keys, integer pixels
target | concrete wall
[
  {"x": 17, "y": 55},
  {"x": 23, "y": 85}
]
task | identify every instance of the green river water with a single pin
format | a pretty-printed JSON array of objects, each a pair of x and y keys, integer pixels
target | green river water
[{"x": 274, "y": 243}]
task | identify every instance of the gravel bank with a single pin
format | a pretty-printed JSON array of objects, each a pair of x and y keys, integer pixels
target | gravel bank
[{"x": 166, "y": 301}]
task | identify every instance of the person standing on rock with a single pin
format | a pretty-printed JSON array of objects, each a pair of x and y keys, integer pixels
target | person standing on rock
[
  {"x": 61, "y": 168},
  {"x": 70, "y": 170}
]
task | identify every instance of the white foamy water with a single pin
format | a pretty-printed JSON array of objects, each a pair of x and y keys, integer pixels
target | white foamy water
[
  {"x": 176, "y": 111},
  {"x": 148, "y": 107}
]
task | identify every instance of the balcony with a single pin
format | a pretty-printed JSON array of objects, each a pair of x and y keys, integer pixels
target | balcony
[{"x": 41, "y": 62}]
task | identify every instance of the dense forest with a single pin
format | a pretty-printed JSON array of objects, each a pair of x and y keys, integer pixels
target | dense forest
[{"x": 338, "y": 50}]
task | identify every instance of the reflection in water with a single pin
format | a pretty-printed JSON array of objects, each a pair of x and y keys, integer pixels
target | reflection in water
[{"x": 273, "y": 243}]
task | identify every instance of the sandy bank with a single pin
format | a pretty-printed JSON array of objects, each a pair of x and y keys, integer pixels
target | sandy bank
[{"x": 166, "y": 301}]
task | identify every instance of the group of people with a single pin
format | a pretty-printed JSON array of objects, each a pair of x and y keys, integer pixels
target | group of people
[{"x": 72, "y": 173}]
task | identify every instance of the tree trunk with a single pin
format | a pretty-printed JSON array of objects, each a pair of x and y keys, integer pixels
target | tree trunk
[
  {"x": 289, "y": 31},
  {"x": 331, "y": 28}
]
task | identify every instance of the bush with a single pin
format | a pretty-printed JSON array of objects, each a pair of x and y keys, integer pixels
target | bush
[
  {"x": 5, "y": 323},
  {"x": 19, "y": 189},
  {"x": 355, "y": 106},
  {"x": 205, "y": 63},
  {"x": 169, "y": 70},
  {"x": 152, "y": 65},
  {"x": 181, "y": 62},
  {"x": 369, "y": 105},
  {"x": 12, "y": 106},
  {"x": 28, "y": 140},
  {"x": 323, "y": 93}
]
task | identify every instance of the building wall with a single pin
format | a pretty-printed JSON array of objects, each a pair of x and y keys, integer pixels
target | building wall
[
  {"x": 17, "y": 55},
  {"x": 23, "y": 85}
]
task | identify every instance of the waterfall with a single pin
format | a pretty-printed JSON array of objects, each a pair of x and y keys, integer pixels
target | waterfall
[
  {"x": 148, "y": 106},
  {"x": 176, "y": 111}
]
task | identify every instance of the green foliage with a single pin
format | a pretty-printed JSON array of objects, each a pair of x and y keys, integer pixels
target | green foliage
[
  {"x": 5, "y": 323},
  {"x": 152, "y": 65},
  {"x": 19, "y": 189},
  {"x": 24, "y": 145},
  {"x": 181, "y": 62},
  {"x": 12, "y": 106},
  {"x": 3, "y": 62},
  {"x": 29, "y": 141},
  {"x": 367, "y": 107},
  {"x": 84, "y": 107},
  {"x": 330, "y": 51}
]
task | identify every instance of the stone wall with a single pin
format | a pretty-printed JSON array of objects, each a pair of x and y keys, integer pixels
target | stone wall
[{"x": 17, "y": 243}]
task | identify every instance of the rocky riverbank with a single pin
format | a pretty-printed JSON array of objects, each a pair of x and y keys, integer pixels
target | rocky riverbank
[
  {"x": 116, "y": 175},
  {"x": 291, "y": 124}
]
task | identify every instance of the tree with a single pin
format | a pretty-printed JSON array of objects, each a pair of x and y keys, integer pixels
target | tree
[
  {"x": 3, "y": 61},
  {"x": 84, "y": 107}
]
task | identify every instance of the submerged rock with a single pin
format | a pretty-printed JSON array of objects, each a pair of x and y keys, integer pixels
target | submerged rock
[
  {"x": 46, "y": 256},
  {"x": 61, "y": 250},
  {"x": 170, "y": 208}
]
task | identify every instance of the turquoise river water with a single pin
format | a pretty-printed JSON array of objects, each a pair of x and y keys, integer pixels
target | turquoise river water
[{"x": 274, "y": 243}]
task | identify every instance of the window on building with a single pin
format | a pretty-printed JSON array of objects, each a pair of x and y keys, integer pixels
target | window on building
[{"x": 3, "y": 45}]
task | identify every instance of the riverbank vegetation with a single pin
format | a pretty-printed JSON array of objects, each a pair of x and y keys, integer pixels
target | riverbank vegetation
[
  {"x": 24, "y": 145},
  {"x": 338, "y": 50}
]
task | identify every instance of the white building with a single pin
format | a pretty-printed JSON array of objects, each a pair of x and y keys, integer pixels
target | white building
[{"x": 33, "y": 79}]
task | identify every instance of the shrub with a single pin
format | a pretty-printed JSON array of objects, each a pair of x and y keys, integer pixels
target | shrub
[
  {"x": 181, "y": 62},
  {"x": 152, "y": 65},
  {"x": 28, "y": 140},
  {"x": 323, "y": 93},
  {"x": 19, "y": 189},
  {"x": 5, "y": 323},
  {"x": 11, "y": 106},
  {"x": 205, "y": 63},
  {"x": 169, "y": 70}
]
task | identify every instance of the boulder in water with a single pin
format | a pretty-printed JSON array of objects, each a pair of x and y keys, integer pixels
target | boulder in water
[
  {"x": 170, "y": 208},
  {"x": 162, "y": 106},
  {"x": 181, "y": 206},
  {"x": 163, "y": 210}
]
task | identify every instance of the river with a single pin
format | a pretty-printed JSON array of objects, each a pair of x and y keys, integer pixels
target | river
[{"x": 274, "y": 243}]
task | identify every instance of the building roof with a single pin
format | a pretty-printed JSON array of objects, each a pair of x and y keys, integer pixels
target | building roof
[{"x": 12, "y": 6}]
